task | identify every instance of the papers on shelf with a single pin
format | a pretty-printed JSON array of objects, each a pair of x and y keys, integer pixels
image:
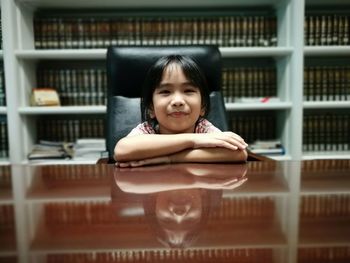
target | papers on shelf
[
  {"x": 89, "y": 148},
  {"x": 50, "y": 150},
  {"x": 267, "y": 147}
]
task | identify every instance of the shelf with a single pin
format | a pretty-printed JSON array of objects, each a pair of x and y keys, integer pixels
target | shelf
[
  {"x": 285, "y": 157},
  {"x": 255, "y": 51},
  {"x": 60, "y": 162},
  {"x": 326, "y": 50},
  {"x": 62, "y": 54},
  {"x": 62, "y": 110},
  {"x": 326, "y": 104},
  {"x": 4, "y": 161},
  {"x": 102, "y": 109},
  {"x": 1, "y": 54},
  {"x": 326, "y": 155},
  {"x": 259, "y": 106},
  {"x": 87, "y": 54},
  {"x": 326, "y": 2},
  {"x": 141, "y": 3},
  {"x": 3, "y": 110}
]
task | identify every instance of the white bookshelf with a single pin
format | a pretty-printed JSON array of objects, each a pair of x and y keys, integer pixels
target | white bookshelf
[
  {"x": 20, "y": 59},
  {"x": 3, "y": 110},
  {"x": 62, "y": 110}
]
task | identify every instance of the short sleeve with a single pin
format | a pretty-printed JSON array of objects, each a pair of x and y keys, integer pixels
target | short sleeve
[
  {"x": 142, "y": 128},
  {"x": 205, "y": 126}
]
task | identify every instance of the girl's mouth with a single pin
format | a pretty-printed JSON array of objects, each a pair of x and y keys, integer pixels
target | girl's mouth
[{"x": 177, "y": 114}]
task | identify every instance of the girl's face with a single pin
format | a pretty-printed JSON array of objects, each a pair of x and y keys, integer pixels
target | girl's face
[{"x": 177, "y": 104}]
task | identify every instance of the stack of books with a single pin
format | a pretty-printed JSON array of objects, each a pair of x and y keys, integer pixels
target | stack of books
[
  {"x": 270, "y": 147},
  {"x": 51, "y": 150},
  {"x": 89, "y": 148}
]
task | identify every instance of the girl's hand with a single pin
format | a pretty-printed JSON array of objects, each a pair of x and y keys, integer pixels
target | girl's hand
[
  {"x": 150, "y": 161},
  {"x": 227, "y": 140}
]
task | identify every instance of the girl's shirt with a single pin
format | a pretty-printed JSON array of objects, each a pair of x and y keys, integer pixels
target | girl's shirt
[{"x": 203, "y": 126}]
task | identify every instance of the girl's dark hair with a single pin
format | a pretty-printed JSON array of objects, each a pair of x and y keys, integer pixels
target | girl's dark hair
[{"x": 154, "y": 76}]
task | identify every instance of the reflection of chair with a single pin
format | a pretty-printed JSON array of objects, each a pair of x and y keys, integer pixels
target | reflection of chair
[{"x": 126, "y": 70}]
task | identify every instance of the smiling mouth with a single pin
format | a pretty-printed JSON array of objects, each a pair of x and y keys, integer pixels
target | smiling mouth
[{"x": 177, "y": 114}]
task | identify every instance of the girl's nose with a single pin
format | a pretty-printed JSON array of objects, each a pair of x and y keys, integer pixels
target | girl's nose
[{"x": 177, "y": 100}]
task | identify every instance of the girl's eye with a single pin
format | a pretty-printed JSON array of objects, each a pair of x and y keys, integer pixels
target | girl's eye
[
  {"x": 190, "y": 90},
  {"x": 164, "y": 91}
]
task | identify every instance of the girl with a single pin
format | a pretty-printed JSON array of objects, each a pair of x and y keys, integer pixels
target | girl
[{"x": 174, "y": 104}]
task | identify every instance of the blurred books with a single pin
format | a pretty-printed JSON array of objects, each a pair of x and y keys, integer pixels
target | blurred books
[
  {"x": 270, "y": 147},
  {"x": 51, "y": 150},
  {"x": 89, "y": 148}
]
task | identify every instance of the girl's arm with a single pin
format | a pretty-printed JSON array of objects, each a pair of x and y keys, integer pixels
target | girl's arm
[
  {"x": 205, "y": 155},
  {"x": 148, "y": 146}
]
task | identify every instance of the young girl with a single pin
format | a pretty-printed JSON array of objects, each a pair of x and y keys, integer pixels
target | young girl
[{"x": 174, "y": 104}]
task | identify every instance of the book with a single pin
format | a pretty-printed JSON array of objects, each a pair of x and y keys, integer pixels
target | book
[{"x": 50, "y": 150}]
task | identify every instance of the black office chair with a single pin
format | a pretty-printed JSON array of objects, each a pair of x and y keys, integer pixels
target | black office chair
[{"x": 126, "y": 70}]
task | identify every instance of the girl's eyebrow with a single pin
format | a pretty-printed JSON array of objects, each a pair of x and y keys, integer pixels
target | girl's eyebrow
[{"x": 169, "y": 84}]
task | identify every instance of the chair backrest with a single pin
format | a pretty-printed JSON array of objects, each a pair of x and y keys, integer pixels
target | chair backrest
[{"x": 126, "y": 70}]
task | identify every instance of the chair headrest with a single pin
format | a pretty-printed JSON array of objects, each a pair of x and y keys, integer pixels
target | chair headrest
[{"x": 129, "y": 66}]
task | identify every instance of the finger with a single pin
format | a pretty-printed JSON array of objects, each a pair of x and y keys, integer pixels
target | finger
[
  {"x": 237, "y": 138},
  {"x": 124, "y": 164},
  {"x": 237, "y": 143}
]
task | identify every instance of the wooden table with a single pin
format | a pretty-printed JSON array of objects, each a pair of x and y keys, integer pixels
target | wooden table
[{"x": 255, "y": 212}]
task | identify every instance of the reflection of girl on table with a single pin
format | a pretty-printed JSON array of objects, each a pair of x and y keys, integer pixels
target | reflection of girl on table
[
  {"x": 154, "y": 179},
  {"x": 174, "y": 104},
  {"x": 178, "y": 199}
]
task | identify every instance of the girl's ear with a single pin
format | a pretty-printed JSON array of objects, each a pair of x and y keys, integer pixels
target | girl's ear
[
  {"x": 202, "y": 112},
  {"x": 151, "y": 112}
]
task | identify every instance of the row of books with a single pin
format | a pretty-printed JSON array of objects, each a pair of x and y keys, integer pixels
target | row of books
[
  {"x": 65, "y": 32},
  {"x": 254, "y": 126},
  {"x": 248, "y": 82},
  {"x": 5, "y": 177},
  {"x": 2, "y": 86},
  {"x": 75, "y": 86},
  {"x": 327, "y": 29},
  {"x": 4, "y": 144},
  {"x": 326, "y": 132},
  {"x": 324, "y": 254},
  {"x": 327, "y": 83},
  {"x": 69, "y": 130},
  {"x": 88, "y": 86},
  {"x": 313, "y": 206},
  {"x": 7, "y": 220},
  {"x": 193, "y": 255}
]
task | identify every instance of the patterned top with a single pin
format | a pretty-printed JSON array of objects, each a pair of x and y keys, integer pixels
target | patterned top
[{"x": 203, "y": 126}]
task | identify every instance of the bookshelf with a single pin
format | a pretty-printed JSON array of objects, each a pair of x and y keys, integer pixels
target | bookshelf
[{"x": 287, "y": 55}]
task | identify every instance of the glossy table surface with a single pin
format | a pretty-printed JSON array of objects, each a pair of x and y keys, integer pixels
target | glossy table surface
[{"x": 256, "y": 212}]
